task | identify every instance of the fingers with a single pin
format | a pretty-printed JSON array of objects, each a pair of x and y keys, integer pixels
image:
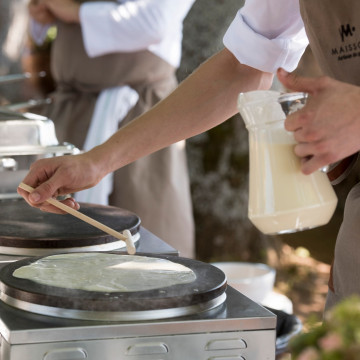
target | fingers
[
  {"x": 297, "y": 83},
  {"x": 297, "y": 120},
  {"x": 304, "y": 125},
  {"x": 43, "y": 178},
  {"x": 301, "y": 118},
  {"x": 35, "y": 199},
  {"x": 60, "y": 175},
  {"x": 326, "y": 129},
  {"x": 53, "y": 209},
  {"x": 312, "y": 164},
  {"x": 40, "y": 13},
  {"x": 314, "y": 156},
  {"x": 301, "y": 123}
]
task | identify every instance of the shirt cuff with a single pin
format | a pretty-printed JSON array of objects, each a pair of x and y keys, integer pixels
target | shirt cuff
[{"x": 257, "y": 51}]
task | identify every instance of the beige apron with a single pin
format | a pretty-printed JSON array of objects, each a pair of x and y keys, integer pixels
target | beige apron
[
  {"x": 155, "y": 187},
  {"x": 333, "y": 29}
]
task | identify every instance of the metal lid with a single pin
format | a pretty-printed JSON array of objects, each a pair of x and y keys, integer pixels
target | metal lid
[{"x": 25, "y": 130}]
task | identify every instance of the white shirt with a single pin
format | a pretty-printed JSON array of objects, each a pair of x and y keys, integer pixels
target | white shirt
[
  {"x": 267, "y": 34},
  {"x": 128, "y": 26},
  {"x": 133, "y": 25}
]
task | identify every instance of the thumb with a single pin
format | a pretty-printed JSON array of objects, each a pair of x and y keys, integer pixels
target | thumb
[
  {"x": 43, "y": 192},
  {"x": 295, "y": 82}
]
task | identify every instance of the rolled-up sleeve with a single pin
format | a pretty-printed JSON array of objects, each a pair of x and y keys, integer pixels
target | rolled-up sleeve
[{"x": 267, "y": 34}]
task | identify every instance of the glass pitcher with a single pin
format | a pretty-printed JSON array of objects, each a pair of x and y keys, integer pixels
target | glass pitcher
[{"x": 281, "y": 198}]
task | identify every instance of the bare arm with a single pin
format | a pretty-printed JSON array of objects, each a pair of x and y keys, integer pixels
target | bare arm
[
  {"x": 46, "y": 11},
  {"x": 40, "y": 13},
  {"x": 205, "y": 99},
  {"x": 65, "y": 10}
]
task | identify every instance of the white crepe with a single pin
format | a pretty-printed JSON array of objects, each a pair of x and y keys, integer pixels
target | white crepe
[{"x": 105, "y": 272}]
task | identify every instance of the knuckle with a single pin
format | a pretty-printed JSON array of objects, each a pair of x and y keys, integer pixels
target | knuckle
[
  {"x": 325, "y": 151},
  {"x": 312, "y": 136},
  {"x": 303, "y": 118},
  {"x": 320, "y": 147},
  {"x": 48, "y": 188},
  {"x": 307, "y": 115}
]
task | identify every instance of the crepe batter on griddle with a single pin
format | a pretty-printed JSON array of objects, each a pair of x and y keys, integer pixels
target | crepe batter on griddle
[{"x": 106, "y": 272}]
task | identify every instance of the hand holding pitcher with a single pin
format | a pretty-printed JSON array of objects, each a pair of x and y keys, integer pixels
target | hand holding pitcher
[{"x": 281, "y": 198}]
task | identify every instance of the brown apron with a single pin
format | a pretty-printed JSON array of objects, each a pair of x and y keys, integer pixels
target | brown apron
[
  {"x": 333, "y": 29},
  {"x": 155, "y": 187}
]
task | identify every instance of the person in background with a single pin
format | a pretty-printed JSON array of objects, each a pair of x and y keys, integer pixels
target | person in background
[
  {"x": 111, "y": 61},
  {"x": 266, "y": 37}
]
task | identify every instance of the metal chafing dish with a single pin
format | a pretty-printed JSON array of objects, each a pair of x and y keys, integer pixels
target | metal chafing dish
[{"x": 25, "y": 138}]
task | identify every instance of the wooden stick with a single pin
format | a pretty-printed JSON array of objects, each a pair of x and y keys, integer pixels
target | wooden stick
[{"x": 127, "y": 237}]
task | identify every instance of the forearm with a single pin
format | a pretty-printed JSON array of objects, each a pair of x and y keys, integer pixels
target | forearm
[
  {"x": 64, "y": 10},
  {"x": 205, "y": 99}
]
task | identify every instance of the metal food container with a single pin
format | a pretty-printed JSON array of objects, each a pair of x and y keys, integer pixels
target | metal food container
[{"x": 25, "y": 138}]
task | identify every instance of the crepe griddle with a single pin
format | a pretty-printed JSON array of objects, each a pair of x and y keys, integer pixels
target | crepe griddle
[
  {"x": 22, "y": 226},
  {"x": 207, "y": 291}
]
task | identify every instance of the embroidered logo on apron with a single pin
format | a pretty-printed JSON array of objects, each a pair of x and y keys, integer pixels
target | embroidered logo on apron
[
  {"x": 332, "y": 28},
  {"x": 349, "y": 47}
]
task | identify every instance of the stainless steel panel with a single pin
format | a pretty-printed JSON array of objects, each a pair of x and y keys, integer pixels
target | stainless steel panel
[
  {"x": 261, "y": 346},
  {"x": 240, "y": 313}
]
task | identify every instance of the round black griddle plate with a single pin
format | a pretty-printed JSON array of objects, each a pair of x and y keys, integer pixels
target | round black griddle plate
[
  {"x": 22, "y": 226},
  {"x": 209, "y": 286}
]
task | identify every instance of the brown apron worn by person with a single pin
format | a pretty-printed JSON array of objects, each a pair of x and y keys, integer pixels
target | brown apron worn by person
[
  {"x": 155, "y": 187},
  {"x": 333, "y": 29}
]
